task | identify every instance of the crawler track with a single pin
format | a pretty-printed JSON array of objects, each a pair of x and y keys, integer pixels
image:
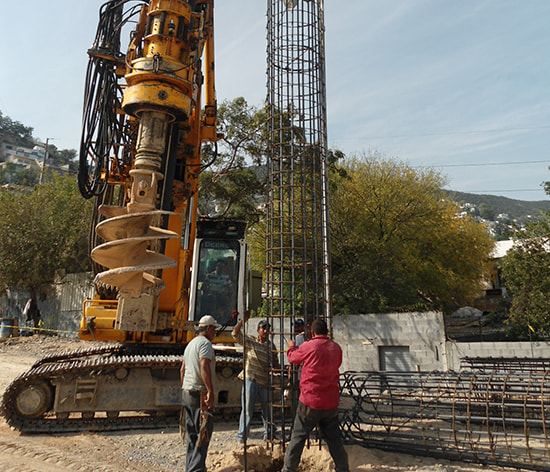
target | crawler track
[{"x": 46, "y": 384}]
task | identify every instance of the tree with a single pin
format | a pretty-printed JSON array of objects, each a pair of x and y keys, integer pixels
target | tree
[
  {"x": 11, "y": 174},
  {"x": 233, "y": 181},
  {"x": 487, "y": 212},
  {"x": 42, "y": 231},
  {"x": 63, "y": 157},
  {"x": 15, "y": 132},
  {"x": 526, "y": 274},
  {"x": 396, "y": 242},
  {"x": 397, "y": 245}
]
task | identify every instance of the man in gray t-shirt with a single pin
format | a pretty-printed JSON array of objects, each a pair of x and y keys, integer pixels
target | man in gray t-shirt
[
  {"x": 199, "y": 348},
  {"x": 197, "y": 372}
]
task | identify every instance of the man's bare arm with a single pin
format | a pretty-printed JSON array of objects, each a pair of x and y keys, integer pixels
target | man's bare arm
[
  {"x": 182, "y": 371},
  {"x": 237, "y": 329},
  {"x": 206, "y": 375}
]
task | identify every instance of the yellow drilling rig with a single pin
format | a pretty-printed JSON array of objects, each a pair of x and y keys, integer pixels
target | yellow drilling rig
[{"x": 159, "y": 267}]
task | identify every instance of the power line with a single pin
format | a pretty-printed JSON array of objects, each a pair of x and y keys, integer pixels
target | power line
[
  {"x": 505, "y": 190},
  {"x": 450, "y": 133},
  {"x": 477, "y": 164},
  {"x": 490, "y": 192}
]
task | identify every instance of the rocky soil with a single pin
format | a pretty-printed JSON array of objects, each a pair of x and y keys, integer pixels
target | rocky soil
[{"x": 162, "y": 450}]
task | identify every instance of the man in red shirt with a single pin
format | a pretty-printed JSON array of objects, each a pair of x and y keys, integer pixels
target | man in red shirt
[{"x": 319, "y": 397}]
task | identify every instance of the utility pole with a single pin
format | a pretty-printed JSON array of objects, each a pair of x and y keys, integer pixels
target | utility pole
[{"x": 44, "y": 161}]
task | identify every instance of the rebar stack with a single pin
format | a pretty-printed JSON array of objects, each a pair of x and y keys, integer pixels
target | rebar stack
[
  {"x": 492, "y": 418},
  {"x": 297, "y": 252},
  {"x": 524, "y": 364}
]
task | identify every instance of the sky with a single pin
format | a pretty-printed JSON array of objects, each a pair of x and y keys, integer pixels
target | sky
[{"x": 462, "y": 87}]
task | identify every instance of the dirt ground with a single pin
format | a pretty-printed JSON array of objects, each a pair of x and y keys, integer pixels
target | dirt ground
[{"x": 162, "y": 450}]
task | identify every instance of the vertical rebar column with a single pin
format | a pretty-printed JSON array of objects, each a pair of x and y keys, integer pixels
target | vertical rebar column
[{"x": 297, "y": 246}]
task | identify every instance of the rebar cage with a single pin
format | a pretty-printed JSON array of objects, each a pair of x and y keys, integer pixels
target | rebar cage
[
  {"x": 297, "y": 236},
  {"x": 493, "y": 418}
]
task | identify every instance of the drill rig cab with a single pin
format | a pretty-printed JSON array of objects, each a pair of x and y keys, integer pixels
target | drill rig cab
[{"x": 218, "y": 282}]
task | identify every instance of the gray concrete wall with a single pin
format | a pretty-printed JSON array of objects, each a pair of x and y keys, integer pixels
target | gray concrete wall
[
  {"x": 60, "y": 304},
  {"x": 362, "y": 336},
  {"x": 456, "y": 351}
]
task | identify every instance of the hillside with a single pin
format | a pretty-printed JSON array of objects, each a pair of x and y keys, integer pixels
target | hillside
[{"x": 515, "y": 209}]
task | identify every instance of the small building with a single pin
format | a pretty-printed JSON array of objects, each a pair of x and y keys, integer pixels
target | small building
[
  {"x": 21, "y": 157},
  {"x": 494, "y": 288}
]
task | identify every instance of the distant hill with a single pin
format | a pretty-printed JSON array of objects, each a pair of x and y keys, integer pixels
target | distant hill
[{"x": 515, "y": 209}]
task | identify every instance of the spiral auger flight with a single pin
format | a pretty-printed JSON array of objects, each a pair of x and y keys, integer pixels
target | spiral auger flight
[
  {"x": 129, "y": 234},
  {"x": 131, "y": 262}
]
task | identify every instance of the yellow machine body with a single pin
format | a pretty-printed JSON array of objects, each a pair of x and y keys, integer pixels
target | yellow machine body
[
  {"x": 143, "y": 126},
  {"x": 162, "y": 96}
]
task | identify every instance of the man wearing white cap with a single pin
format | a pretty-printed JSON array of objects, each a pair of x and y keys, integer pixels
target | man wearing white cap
[{"x": 197, "y": 372}]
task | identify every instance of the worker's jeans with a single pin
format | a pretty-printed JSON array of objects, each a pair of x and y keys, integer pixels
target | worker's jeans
[
  {"x": 304, "y": 422},
  {"x": 195, "y": 457},
  {"x": 252, "y": 391}
]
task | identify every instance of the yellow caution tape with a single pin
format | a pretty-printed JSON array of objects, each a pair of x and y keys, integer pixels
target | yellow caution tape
[{"x": 26, "y": 328}]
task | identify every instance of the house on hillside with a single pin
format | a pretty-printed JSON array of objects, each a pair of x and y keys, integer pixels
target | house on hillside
[
  {"x": 470, "y": 323},
  {"x": 27, "y": 158},
  {"x": 23, "y": 158}
]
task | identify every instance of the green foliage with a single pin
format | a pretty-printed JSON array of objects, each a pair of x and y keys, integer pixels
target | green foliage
[
  {"x": 526, "y": 272},
  {"x": 43, "y": 230},
  {"x": 487, "y": 212},
  {"x": 396, "y": 244},
  {"x": 233, "y": 183},
  {"x": 12, "y": 175},
  {"x": 15, "y": 132},
  {"x": 63, "y": 157}
]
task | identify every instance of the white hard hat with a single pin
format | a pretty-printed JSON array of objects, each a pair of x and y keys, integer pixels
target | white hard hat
[{"x": 208, "y": 320}]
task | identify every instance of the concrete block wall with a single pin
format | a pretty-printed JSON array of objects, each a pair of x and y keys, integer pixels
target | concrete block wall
[
  {"x": 60, "y": 304},
  {"x": 456, "y": 351},
  {"x": 362, "y": 336}
]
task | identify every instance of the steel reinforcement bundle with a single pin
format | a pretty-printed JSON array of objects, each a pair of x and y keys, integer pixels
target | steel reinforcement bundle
[{"x": 492, "y": 418}]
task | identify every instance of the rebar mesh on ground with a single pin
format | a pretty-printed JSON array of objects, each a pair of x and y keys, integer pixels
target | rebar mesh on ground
[
  {"x": 524, "y": 364},
  {"x": 492, "y": 418}
]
